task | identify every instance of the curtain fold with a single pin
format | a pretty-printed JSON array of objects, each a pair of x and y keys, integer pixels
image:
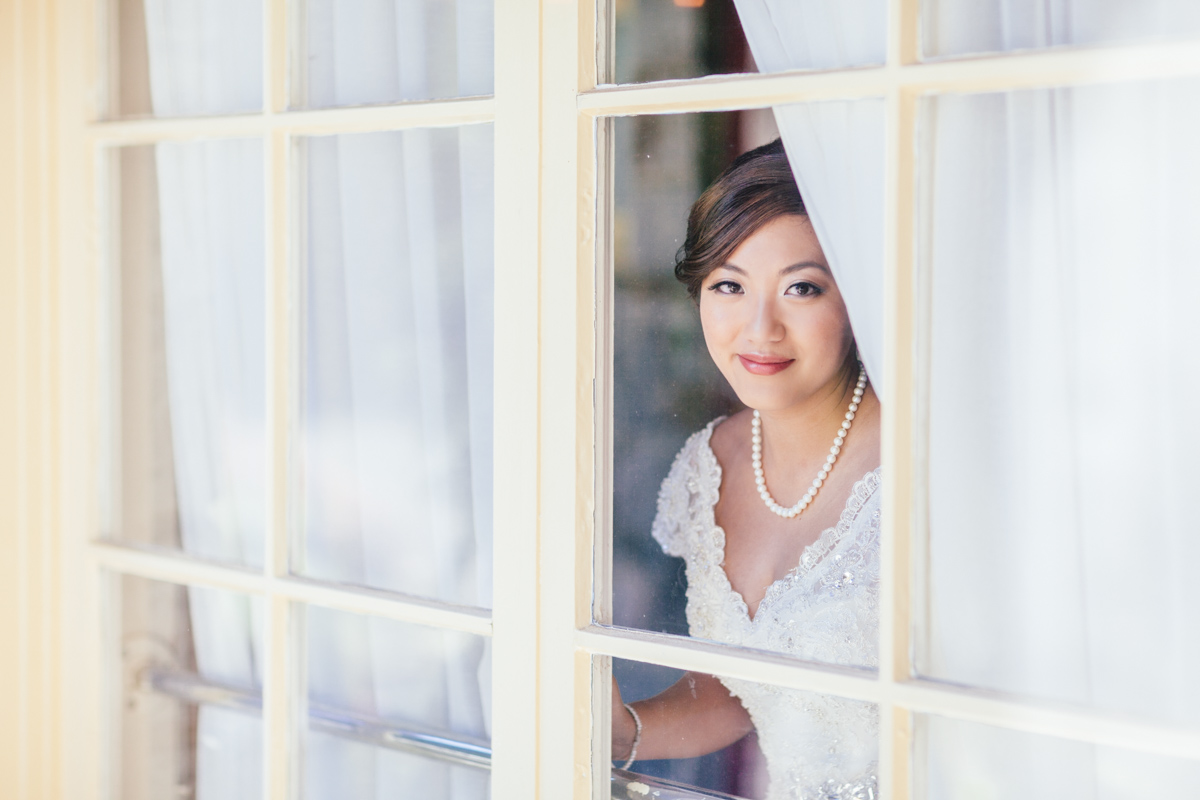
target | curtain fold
[{"x": 836, "y": 148}]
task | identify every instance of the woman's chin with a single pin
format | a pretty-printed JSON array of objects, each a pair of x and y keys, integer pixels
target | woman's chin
[{"x": 766, "y": 401}]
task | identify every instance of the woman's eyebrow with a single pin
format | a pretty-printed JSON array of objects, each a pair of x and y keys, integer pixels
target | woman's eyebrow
[
  {"x": 804, "y": 265},
  {"x": 785, "y": 270}
]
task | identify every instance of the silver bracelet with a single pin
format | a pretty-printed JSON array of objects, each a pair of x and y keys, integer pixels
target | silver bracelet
[{"x": 637, "y": 737}]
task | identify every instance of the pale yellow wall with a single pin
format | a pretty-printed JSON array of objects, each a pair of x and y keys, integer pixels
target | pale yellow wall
[{"x": 29, "y": 434}]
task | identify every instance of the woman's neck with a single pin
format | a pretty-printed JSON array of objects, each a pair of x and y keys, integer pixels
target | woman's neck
[{"x": 794, "y": 435}]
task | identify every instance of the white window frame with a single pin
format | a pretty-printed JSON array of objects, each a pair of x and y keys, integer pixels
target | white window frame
[{"x": 552, "y": 558}]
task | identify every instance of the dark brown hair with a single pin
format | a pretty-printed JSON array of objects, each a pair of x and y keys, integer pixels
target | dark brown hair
[{"x": 755, "y": 189}]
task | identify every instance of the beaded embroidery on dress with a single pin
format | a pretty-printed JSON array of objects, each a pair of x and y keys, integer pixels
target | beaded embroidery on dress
[{"x": 826, "y": 609}]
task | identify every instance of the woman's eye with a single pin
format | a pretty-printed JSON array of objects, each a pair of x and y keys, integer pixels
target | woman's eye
[
  {"x": 804, "y": 289},
  {"x": 726, "y": 287}
]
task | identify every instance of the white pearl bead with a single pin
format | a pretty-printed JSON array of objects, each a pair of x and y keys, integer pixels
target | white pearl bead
[{"x": 822, "y": 475}]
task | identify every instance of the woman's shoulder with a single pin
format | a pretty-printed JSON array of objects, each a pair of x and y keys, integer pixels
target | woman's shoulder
[
  {"x": 729, "y": 433},
  {"x": 692, "y": 483}
]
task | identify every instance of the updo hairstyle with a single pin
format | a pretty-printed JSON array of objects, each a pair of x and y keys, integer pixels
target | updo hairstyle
[{"x": 757, "y": 187}]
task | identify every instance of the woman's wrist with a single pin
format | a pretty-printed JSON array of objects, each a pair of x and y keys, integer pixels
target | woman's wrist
[
  {"x": 629, "y": 754},
  {"x": 624, "y": 730}
]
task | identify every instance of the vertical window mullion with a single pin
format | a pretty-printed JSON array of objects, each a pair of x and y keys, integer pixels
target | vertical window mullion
[
  {"x": 895, "y": 728},
  {"x": 897, "y": 440},
  {"x": 284, "y": 707},
  {"x": 515, "y": 678}
]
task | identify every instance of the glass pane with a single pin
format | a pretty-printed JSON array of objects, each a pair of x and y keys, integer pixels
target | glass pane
[
  {"x": 396, "y": 710},
  {"x": 958, "y": 759},
  {"x": 719, "y": 735},
  {"x": 959, "y": 27},
  {"x": 387, "y": 51},
  {"x": 1060, "y": 260},
  {"x": 397, "y": 418},
  {"x": 188, "y": 718},
  {"x": 659, "y": 40},
  {"x": 192, "y": 397},
  {"x": 186, "y": 57},
  {"x": 688, "y": 551}
]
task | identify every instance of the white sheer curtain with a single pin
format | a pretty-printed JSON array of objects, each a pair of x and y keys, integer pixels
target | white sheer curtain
[
  {"x": 211, "y": 240},
  {"x": 954, "y": 27},
  {"x": 1065, "y": 269},
  {"x": 1064, "y": 258},
  {"x": 836, "y": 148},
  {"x": 408, "y": 238}
]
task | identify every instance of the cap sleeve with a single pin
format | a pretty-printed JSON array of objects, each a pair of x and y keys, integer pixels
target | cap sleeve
[{"x": 683, "y": 492}]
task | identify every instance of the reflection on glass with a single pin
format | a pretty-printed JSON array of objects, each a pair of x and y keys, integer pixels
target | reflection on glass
[
  {"x": 958, "y": 759},
  {"x": 379, "y": 674},
  {"x": 740, "y": 737},
  {"x": 186, "y": 57},
  {"x": 959, "y": 27},
  {"x": 659, "y": 40},
  {"x": 190, "y": 683},
  {"x": 397, "y": 410},
  {"x": 386, "y": 51},
  {"x": 189, "y": 287},
  {"x": 1061, "y": 528}
]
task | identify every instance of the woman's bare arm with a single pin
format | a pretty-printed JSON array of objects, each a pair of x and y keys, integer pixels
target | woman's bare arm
[{"x": 695, "y": 716}]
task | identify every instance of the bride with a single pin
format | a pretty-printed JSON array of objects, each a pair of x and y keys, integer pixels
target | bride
[{"x": 775, "y": 510}]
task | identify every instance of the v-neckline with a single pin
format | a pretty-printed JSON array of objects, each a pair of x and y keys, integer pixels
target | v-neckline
[{"x": 807, "y": 560}]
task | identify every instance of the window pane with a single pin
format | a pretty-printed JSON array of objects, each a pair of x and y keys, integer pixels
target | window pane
[
  {"x": 397, "y": 411},
  {"x": 187, "y": 717},
  {"x": 958, "y": 759},
  {"x": 189, "y": 288},
  {"x": 659, "y": 40},
  {"x": 186, "y": 57},
  {"x": 685, "y": 556},
  {"x": 958, "y": 27},
  {"x": 387, "y": 51},
  {"x": 1061, "y": 258},
  {"x": 721, "y": 735},
  {"x": 396, "y": 710}
]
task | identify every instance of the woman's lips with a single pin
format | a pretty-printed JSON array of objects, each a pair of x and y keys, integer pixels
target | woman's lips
[{"x": 765, "y": 365}]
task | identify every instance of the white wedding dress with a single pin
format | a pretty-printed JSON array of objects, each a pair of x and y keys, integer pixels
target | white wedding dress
[{"x": 826, "y": 610}]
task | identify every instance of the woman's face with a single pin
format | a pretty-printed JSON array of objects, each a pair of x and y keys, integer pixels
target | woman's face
[{"x": 773, "y": 318}]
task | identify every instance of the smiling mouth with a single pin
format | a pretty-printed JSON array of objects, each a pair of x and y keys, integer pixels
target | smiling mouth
[{"x": 764, "y": 365}]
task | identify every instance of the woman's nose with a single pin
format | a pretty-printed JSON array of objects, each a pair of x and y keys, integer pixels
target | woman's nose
[{"x": 764, "y": 324}]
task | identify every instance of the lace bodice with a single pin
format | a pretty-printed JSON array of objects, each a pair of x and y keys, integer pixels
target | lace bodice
[{"x": 826, "y": 609}]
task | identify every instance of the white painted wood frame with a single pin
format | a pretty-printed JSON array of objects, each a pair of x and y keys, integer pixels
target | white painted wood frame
[{"x": 553, "y": 322}]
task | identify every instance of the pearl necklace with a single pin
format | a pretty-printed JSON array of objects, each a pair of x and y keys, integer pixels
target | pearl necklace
[{"x": 756, "y": 455}]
